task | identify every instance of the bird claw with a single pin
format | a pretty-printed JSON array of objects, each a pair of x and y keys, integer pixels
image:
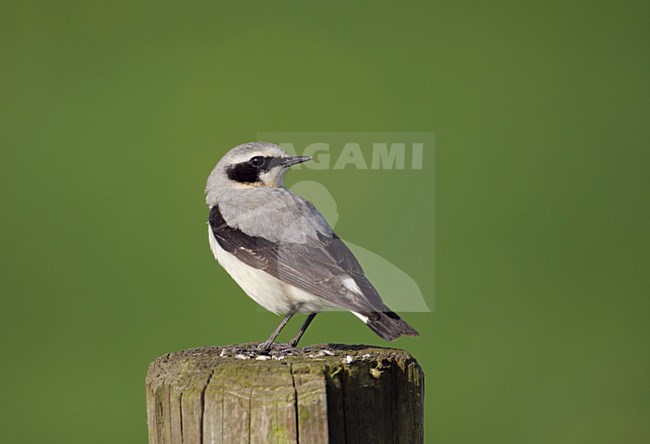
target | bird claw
[{"x": 289, "y": 348}]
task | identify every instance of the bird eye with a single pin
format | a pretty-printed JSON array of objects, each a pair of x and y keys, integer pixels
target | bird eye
[{"x": 257, "y": 161}]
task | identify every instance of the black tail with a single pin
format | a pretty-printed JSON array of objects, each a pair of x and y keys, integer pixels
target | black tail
[{"x": 389, "y": 325}]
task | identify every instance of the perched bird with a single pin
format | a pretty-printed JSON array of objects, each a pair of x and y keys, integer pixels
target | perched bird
[{"x": 279, "y": 248}]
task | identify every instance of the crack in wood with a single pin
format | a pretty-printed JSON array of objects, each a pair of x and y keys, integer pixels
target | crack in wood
[
  {"x": 295, "y": 402},
  {"x": 202, "y": 412}
]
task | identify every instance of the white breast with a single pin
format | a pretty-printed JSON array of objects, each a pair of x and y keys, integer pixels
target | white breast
[{"x": 268, "y": 291}]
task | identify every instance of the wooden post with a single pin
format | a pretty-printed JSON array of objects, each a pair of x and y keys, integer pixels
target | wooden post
[{"x": 326, "y": 394}]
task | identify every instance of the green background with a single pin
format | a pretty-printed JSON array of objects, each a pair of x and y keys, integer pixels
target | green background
[{"x": 113, "y": 114}]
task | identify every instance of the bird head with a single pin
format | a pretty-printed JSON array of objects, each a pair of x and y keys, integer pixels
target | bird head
[{"x": 253, "y": 164}]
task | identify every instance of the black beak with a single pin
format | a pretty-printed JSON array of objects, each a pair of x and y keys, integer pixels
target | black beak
[{"x": 286, "y": 162}]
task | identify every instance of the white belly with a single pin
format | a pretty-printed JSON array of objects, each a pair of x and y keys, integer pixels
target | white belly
[{"x": 268, "y": 291}]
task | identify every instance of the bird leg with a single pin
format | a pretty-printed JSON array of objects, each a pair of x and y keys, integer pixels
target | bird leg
[
  {"x": 302, "y": 330},
  {"x": 266, "y": 345}
]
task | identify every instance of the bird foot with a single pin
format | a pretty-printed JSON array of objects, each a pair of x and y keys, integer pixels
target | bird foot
[{"x": 278, "y": 348}]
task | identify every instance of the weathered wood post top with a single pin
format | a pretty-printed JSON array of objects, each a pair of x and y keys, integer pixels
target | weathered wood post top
[{"x": 319, "y": 394}]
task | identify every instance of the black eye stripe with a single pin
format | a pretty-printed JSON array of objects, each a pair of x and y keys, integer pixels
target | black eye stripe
[
  {"x": 248, "y": 172},
  {"x": 244, "y": 173}
]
